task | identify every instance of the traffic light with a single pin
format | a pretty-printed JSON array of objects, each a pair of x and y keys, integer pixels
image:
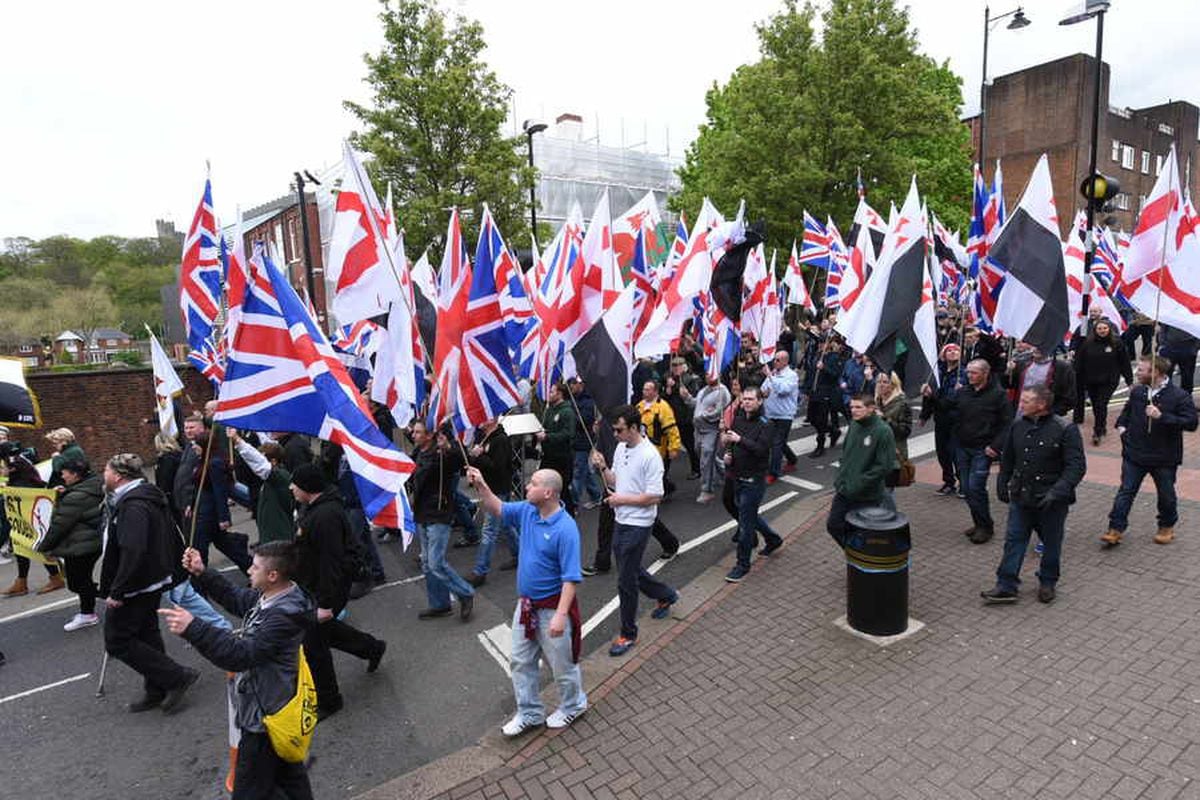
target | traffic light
[{"x": 1099, "y": 190}]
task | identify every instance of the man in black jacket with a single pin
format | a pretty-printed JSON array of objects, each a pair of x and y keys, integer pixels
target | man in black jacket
[
  {"x": 141, "y": 551},
  {"x": 1030, "y": 366},
  {"x": 747, "y": 457},
  {"x": 276, "y": 614},
  {"x": 1041, "y": 464},
  {"x": 329, "y": 558},
  {"x": 1151, "y": 427},
  {"x": 982, "y": 417},
  {"x": 211, "y": 482},
  {"x": 431, "y": 488}
]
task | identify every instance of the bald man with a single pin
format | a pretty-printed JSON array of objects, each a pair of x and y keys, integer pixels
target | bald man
[{"x": 547, "y": 622}]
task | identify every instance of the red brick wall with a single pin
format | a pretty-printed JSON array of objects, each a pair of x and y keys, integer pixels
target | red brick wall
[{"x": 106, "y": 409}]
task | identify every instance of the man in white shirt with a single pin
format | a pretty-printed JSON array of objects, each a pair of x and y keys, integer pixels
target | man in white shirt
[{"x": 635, "y": 483}]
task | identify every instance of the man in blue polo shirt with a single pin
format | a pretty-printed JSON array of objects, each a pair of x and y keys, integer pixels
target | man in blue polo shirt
[{"x": 547, "y": 622}]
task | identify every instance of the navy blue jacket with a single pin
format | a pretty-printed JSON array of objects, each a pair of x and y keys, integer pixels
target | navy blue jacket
[{"x": 1159, "y": 444}]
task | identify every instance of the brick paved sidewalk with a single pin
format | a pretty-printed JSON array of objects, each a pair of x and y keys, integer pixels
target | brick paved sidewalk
[{"x": 756, "y": 694}]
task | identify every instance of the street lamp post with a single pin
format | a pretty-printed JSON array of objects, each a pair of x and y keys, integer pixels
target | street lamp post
[
  {"x": 1018, "y": 21},
  {"x": 531, "y": 127},
  {"x": 1092, "y": 8}
]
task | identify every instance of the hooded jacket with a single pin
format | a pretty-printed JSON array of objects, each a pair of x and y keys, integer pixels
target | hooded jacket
[
  {"x": 141, "y": 545},
  {"x": 322, "y": 534},
  {"x": 264, "y": 652},
  {"x": 868, "y": 457},
  {"x": 75, "y": 525}
]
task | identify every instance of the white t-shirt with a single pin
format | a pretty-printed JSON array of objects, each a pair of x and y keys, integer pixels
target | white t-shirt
[{"x": 638, "y": 470}]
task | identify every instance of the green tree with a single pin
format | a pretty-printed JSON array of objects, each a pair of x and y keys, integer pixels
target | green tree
[
  {"x": 789, "y": 131},
  {"x": 434, "y": 125}
]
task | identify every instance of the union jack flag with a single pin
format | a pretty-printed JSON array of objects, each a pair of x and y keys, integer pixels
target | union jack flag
[
  {"x": 200, "y": 287},
  {"x": 644, "y": 292},
  {"x": 516, "y": 308},
  {"x": 283, "y": 375},
  {"x": 814, "y": 247},
  {"x": 678, "y": 249},
  {"x": 358, "y": 339},
  {"x": 986, "y": 220},
  {"x": 560, "y": 258},
  {"x": 839, "y": 262}
]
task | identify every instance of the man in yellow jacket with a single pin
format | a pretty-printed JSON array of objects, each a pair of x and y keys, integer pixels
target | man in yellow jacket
[{"x": 658, "y": 421}]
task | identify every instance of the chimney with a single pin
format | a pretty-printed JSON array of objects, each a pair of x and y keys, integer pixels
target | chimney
[{"x": 569, "y": 126}]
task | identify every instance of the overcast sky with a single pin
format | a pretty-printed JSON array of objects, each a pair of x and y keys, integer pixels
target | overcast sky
[{"x": 111, "y": 109}]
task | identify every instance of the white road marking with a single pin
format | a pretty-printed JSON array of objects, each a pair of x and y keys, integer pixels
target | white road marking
[
  {"x": 28, "y": 692},
  {"x": 402, "y": 581},
  {"x": 497, "y": 642},
  {"x": 803, "y": 484},
  {"x": 612, "y": 605},
  {"x": 66, "y": 601}
]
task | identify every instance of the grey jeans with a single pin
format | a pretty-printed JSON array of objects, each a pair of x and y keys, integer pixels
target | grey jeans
[{"x": 712, "y": 468}]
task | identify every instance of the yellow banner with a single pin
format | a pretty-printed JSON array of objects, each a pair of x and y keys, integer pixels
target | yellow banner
[{"x": 28, "y": 512}]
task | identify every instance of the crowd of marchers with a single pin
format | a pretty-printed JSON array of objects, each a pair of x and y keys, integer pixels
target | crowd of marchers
[{"x": 123, "y": 533}]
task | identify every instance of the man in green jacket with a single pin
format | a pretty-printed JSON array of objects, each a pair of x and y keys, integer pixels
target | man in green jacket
[
  {"x": 557, "y": 438},
  {"x": 868, "y": 456}
]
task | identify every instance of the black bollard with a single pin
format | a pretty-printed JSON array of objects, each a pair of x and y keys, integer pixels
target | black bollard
[{"x": 877, "y": 549}]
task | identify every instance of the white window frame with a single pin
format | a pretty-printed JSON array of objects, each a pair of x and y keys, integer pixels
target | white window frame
[
  {"x": 1116, "y": 151},
  {"x": 1145, "y": 162},
  {"x": 26, "y": 348},
  {"x": 1127, "y": 156},
  {"x": 1158, "y": 164}
]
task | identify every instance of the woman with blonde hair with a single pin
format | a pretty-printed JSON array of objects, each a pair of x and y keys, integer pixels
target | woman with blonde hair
[{"x": 65, "y": 449}]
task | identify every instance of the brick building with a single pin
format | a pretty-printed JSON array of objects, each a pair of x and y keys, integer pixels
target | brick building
[
  {"x": 279, "y": 221},
  {"x": 1048, "y": 109}
]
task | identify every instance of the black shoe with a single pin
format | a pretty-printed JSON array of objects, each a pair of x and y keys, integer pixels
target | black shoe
[
  {"x": 465, "y": 604},
  {"x": 1096, "y": 440},
  {"x": 981, "y": 535},
  {"x": 476, "y": 579},
  {"x": 818, "y": 452},
  {"x": 360, "y": 589},
  {"x": 1045, "y": 594},
  {"x": 592, "y": 569},
  {"x": 465, "y": 541},
  {"x": 172, "y": 699},
  {"x": 326, "y": 710},
  {"x": 373, "y": 661},
  {"x": 145, "y": 703},
  {"x": 995, "y": 597},
  {"x": 667, "y": 555},
  {"x": 771, "y": 547},
  {"x": 693, "y": 476},
  {"x": 433, "y": 613},
  {"x": 510, "y": 565},
  {"x": 969, "y": 532},
  {"x": 947, "y": 489},
  {"x": 736, "y": 574}
]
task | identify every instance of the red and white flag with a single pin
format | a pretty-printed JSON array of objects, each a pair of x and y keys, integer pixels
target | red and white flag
[
  {"x": 360, "y": 261},
  {"x": 1155, "y": 243},
  {"x": 643, "y": 216},
  {"x": 1171, "y": 293}
]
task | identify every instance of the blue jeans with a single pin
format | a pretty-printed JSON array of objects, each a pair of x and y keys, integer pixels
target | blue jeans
[
  {"x": 464, "y": 512},
  {"x": 492, "y": 527},
  {"x": 584, "y": 481},
  {"x": 629, "y": 545},
  {"x": 1049, "y": 523},
  {"x": 973, "y": 469},
  {"x": 440, "y": 577},
  {"x": 190, "y": 600},
  {"x": 748, "y": 495},
  {"x": 556, "y": 650},
  {"x": 1132, "y": 476}
]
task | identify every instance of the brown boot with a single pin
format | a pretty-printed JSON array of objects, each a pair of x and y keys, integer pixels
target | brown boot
[
  {"x": 19, "y": 588},
  {"x": 1111, "y": 539},
  {"x": 1164, "y": 536},
  {"x": 53, "y": 585}
]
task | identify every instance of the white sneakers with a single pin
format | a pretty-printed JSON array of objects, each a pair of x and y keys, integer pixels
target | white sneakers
[
  {"x": 560, "y": 719},
  {"x": 519, "y": 725},
  {"x": 81, "y": 621}
]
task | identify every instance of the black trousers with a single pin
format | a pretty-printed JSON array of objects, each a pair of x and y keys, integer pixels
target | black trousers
[
  {"x": 131, "y": 635},
  {"x": 1187, "y": 372},
  {"x": 822, "y": 415},
  {"x": 1099, "y": 394},
  {"x": 320, "y": 642},
  {"x": 24, "y": 563},
  {"x": 604, "y": 537},
  {"x": 261, "y": 775},
  {"x": 78, "y": 571},
  {"x": 943, "y": 442},
  {"x": 688, "y": 434}
]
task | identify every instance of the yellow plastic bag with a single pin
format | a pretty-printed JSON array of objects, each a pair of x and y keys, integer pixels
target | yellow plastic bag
[{"x": 290, "y": 729}]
